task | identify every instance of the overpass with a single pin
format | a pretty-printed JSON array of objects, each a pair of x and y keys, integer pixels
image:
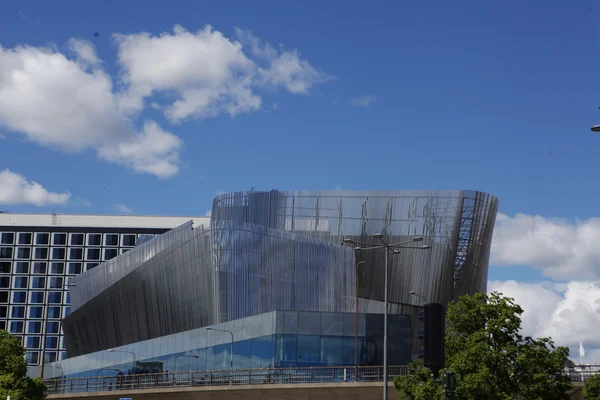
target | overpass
[{"x": 293, "y": 383}]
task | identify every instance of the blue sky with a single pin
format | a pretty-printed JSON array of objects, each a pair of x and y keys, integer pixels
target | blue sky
[{"x": 492, "y": 96}]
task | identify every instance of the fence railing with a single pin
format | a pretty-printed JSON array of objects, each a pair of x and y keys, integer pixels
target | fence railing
[{"x": 268, "y": 376}]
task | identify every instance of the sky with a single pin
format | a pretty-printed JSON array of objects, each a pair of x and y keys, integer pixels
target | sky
[{"x": 152, "y": 107}]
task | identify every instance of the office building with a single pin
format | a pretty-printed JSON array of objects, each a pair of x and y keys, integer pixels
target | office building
[
  {"x": 41, "y": 253},
  {"x": 273, "y": 255}
]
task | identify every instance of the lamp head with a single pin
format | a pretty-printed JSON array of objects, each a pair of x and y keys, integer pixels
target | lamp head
[
  {"x": 412, "y": 292},
  {"x": 361, "y": 263},
  {"x": 357, "y": 248},
  {"x": 348, "y": 241},
  {"x": 378, "y": 236},
  {"x": 596, "y": 128},
  {"x": 418, "y": 239},
  {"x": 425, "y": 247},
  {"x": 111, "y": 350}
]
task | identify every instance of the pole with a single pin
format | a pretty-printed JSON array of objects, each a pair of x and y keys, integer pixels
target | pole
[
  {"x": 356, "y": 328},
  {"x": 385, "y": 328},
  {"x": 44, "y": 324}
]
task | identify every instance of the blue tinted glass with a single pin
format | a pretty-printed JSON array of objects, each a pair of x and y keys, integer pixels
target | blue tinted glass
[
  {"x": 256, "y": 353},
  {"x": 267, "y": 351},
  {"x": 287, "y": 350},
  {"x": 308, "y": 350},
  {"x": 348, "y": 352},
  {"x": 331, "y": 350}
]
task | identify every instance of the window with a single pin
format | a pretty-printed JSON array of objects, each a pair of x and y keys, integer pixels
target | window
[
  {"x": 16, "y": 327},
  {"x": 56, "y": 282},
  {"x": 52, "y": 327},
  {"x": 128, "y": 240},
  {"x": 50, "y": 357},
  {"x": 32, "y": 342},
  {"x": 42, "y": 239},
  {"x": 22, "y": 267},
  {"x": 54, "y": 312},
  {"x": 3, "y": 325},
  {"x": 55, "y": 297},
  {"x": 93, "y": 254},
  {"x": 34, "y": 327},
  {"x": 5, "y": 282},
  {"x": 67, "y": 312},
  {"x": 3, "y": 311},
  {"x": 25, "y": 238},
  {"x": 58, "y": 253},
  {"x": 52, "y": 341},
  {"x": 7, "y": 238},
  {"x": 57, "y": 268},
  {"x": 94, "y": 239},
  {"x": 36, "y": 312},
  {"x": 77, "y": 239},
  {"x": 39, "y": 268},
  {"x": 3, "y": 297},
  {"x": 19, "y": 297},
  {"x": 5, "y": 267},
  {"x": 111, "y": 239},
  {"x": 123, "y": 251},
  {"x": 89, "y": 266},
  {"x": 32, "y": 357},
  {"x": 38, "y": 282},
  {"x": 20, "y": 282},
  {"x": 110, "y": 253},
  {"x": 23, "y": 253},
  {"x": 36, "y": 297},
  {"x": 59, "y": 239},
  {"x": 76, "y": 254},
  {"x": 6, "y": 252},
  {"x": 74, "y": 269},
  {"x": 68, "y": 298},
  {"x": 17, "y": 312},
  {"x": 40, "y": 253}
]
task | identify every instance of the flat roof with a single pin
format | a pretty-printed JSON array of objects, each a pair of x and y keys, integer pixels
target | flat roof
[{"x": 99, "y": 221}]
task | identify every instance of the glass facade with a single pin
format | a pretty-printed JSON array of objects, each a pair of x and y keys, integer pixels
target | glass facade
[
  {"x": 35, "y": 266},
  {"x": 272, "y": 340}
]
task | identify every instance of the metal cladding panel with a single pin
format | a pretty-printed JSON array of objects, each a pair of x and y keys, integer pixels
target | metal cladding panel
[
  {"x": 458, "y": 225},
  {"x": 93, "y": 282},
  {"x": 232, "y": 271}
]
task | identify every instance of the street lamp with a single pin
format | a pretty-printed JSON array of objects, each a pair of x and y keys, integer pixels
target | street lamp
[
  {"x": 412, "y": 292},
  {"x": 596, "y": 128},
  {"x": 182, "y": 355},
  {"x": 125, "y": 351},
  {"x": 394, "y": 248},
  {"x": 231, "y": 351}
]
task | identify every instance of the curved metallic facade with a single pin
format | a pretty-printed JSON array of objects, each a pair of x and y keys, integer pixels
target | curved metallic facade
[{"x": 268, "y": 251}]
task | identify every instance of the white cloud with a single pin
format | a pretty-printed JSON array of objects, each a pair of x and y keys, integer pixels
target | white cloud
[
  {"x": 15, "y": 189},
  {"x": 363, "y": 101},
  {"x": 560, "y": 249},
  {"x": 122, "y": 208},
  {"x": 281, "y": 68},
  {"x": 565, "y": 312},
  {"x": 70, "y": 106}
]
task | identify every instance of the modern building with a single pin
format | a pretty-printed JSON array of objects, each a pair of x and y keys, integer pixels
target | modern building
[
  {"x": 41, "y": 253},
  {"x": 275, "y": 257}
]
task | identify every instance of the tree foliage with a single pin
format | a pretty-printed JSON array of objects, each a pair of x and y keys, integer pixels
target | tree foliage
[
  {"x": 591, "y": 390},
  {"x": 489, "y": 357},
  {"x": 13, "y": 372}
]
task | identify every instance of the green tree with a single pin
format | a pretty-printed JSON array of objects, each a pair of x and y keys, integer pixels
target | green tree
[
  {"x": 13, "y": 372},
  {"x": 490, "y": 358},
  {"x": 591, "y": 390}
]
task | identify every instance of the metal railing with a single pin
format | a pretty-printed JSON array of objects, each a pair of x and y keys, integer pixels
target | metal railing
[{"x": 269, "y": 376}]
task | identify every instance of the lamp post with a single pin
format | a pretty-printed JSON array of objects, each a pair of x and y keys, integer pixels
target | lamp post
[
  {"x": 395, "y": 249},
  {"x": 358, "y": 264},
  {"x": 231, "y": 351},
  {"x": 125, "y": 351},
  {"x": 182, "y": 355}
]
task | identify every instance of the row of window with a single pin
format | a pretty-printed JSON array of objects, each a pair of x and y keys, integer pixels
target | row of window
[
  {"x": 20, "y": 297},
  {"x": 33, "y": 357},
  {"x": 16, "y": 327},
  {"x": 61, "y": 239},
  {"x": 59, "y": 253},
  {"x": 44, "y": 268},
  {"x": 33, "y": 282},
  {"x": 35, "y": 312}
]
